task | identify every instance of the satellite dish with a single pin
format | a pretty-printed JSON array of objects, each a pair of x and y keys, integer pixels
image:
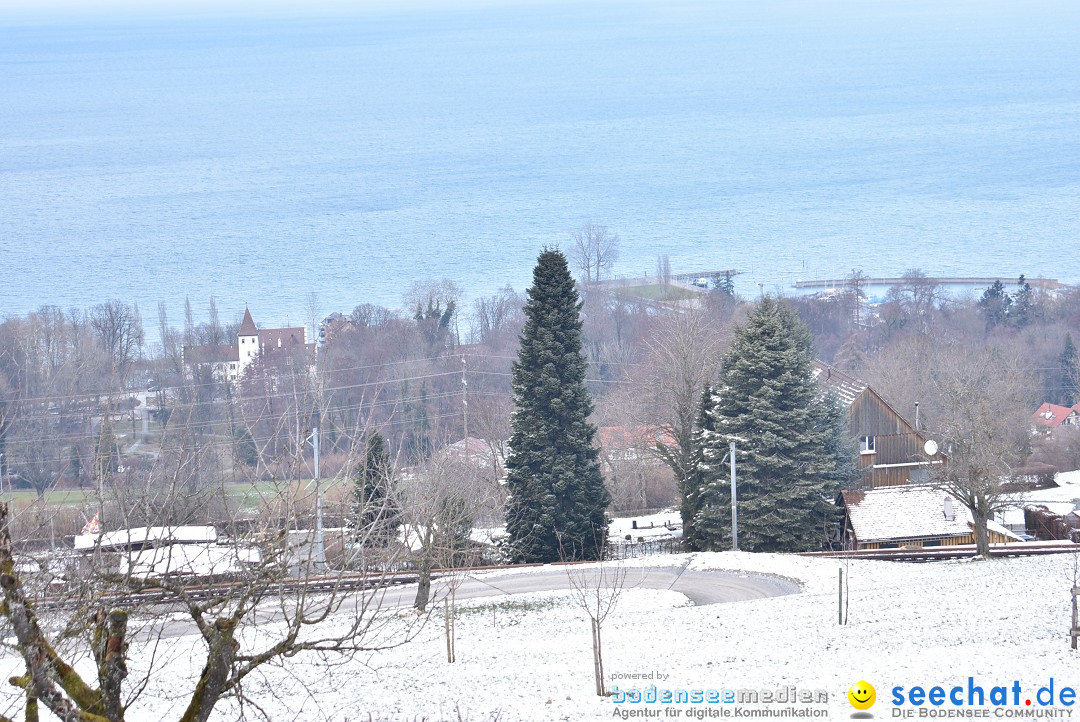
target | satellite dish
[{"x": 930, "y": 447}]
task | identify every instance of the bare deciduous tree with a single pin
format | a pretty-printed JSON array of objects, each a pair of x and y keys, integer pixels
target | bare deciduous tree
[
  {"x": 596, "y": 588},
  {"x": 438, "y": 504},
  {"x": 498, "y": 319},
  {"x": 981, "y": 415},
  {"x": 663, "y": 270},
  {"x": 120, "y": 333},
  {"x": 124, "y": 601},
  {"x": 593, "y": 251},
  {"x": 684, "y": 353}
]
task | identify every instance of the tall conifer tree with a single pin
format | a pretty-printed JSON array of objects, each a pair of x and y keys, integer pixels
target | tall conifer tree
[
  {"x": 695, "y": 539},
  {"x": 557, "y": 496},
  {"x": 767, "y": 402},
  {"x": 375, "y": 515}
]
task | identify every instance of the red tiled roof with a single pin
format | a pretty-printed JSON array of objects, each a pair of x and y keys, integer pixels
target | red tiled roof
[
  {"x": 1053, "y": 415},
  {"x": 271, "y": 339},
  {"x": 247, "y": 327}
]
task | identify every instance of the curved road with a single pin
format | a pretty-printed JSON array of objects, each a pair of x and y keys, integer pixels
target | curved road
[{"x": 700, "y": 587}]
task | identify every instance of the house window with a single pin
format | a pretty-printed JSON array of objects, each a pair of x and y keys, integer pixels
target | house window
[{"x": 866, "y": 445}]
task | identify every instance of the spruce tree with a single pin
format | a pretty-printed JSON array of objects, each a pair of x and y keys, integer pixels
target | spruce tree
[
  {"x": 994, "y": 304},
  {"x": 375, "y": 518},
  {"x": 557, "y": 497},
  {"x": 694, "y": 495},
  {"x": 767, "y": 402},
  {"x": 1068, "y": 365},
  {"x": 840, "y": 446},
  {"x": 1023, "y": 307}
]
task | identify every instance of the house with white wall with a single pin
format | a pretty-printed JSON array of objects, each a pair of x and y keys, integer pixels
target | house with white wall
[{"x": 229, "y": 362}]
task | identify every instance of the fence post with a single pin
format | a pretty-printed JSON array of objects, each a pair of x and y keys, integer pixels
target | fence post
[
  {"x": 840, "y": 600},
  {"x": 1075, "y": 631}
]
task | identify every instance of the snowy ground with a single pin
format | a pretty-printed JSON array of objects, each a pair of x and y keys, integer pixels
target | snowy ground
[
  {"x": 527, "y": 657},
  {"x": 664, "y": 524},
  {"x": 1060, "y": 499}
]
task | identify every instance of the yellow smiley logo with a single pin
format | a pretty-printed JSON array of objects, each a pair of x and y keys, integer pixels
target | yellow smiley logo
[{"x": 862, "y": 695}]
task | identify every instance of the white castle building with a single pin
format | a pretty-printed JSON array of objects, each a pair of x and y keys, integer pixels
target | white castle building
[{"x": 229, "y": 362}]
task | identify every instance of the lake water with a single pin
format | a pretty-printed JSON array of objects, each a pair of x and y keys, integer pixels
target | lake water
[{"x": 258, "y": 159}]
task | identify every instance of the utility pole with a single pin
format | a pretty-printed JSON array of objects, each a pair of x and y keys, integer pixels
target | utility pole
[
  {"x": 465, "y": 401},
  {"x": 734, "y": 510},
  {"x": 318, "y": 556}
]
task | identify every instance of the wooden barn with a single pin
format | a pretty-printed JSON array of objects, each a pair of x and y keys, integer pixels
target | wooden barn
[
  {"x": 916, "y": 515},
  {"x": 891, "y": 451}
]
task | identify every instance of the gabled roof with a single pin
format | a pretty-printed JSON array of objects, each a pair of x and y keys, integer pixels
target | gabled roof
[
  {"x": 247, "y": 326},
  {"x": 271, "y": 339},
  {"x": 1053, "y": 415},
  {"x": 847, "y": 388},
  {"x": 904, "y": 512}
]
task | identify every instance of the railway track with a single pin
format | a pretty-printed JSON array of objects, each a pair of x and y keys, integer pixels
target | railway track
[
  {"x": 961, "y": 551},
  {"x": 338, "y": 583}
]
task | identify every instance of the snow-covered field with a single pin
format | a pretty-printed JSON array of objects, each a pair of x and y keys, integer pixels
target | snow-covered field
[{"x": 527, "y": 657}]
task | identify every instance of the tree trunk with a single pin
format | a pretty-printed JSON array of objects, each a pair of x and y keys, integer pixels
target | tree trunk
[
  {"x": 982, "y": 536},
  {"x": 423, "y": 587},
  {"x": 600, "y": 660},
  {"x": 215, "y": 675},
  {"x": 448, "y": 621},
  {"x": 596, "y": 658}
]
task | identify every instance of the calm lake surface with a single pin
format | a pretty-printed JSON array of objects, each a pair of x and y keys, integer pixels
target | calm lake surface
[{"x": 258, "y": 159}]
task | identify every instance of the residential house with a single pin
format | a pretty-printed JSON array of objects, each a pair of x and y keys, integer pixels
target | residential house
[
  {"x": 629, "y": 443},
  {"x": 1051, "y": 416},
  {"x": 909, "y": 516},
  {"x": 480, "y": 454},
  {"x": 891, "y": 450}
]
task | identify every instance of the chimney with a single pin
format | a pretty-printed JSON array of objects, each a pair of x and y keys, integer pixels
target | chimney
[{"x": 949, "y": 514}]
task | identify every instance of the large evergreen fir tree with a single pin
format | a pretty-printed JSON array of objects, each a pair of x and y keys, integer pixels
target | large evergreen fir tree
[
  {"x": 840, "y": 448},
  {"x": 693, "y": 491},
  {"x": 557, "y": 496},
  {"x": 768, "y": 402}
]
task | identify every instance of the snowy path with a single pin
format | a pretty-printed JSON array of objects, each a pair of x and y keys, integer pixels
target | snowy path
[
  {"x": 526, "y": 657},
  {"x": 700, "y": 587}
]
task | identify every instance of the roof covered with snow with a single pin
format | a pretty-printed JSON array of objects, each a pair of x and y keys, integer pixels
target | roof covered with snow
[
  {"x": 188, "y": 560},
  {"x": 148, "y": 536},
  {"x": 847, "y": 388},
  {"x": 905, "y": 512}
]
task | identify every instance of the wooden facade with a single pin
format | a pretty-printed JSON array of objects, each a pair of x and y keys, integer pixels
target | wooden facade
[
  {"x": 995, "y": 538},
  {"x": 913, "y": 515},
  {"x": 896, "y": 453}
]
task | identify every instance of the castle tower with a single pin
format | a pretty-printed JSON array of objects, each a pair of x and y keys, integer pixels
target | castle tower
[{"x": 247, "y": 341}]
